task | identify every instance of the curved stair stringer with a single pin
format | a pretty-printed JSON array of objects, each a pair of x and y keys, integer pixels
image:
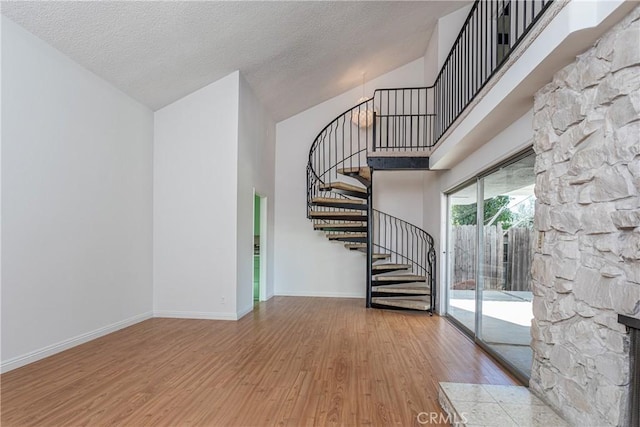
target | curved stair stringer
[{"x": 400, "y": 256}]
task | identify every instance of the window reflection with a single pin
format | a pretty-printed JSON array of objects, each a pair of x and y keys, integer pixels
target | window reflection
[{"x": 500, "y": 289}]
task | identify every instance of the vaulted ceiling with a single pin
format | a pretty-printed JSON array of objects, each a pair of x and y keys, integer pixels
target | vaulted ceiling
[{"x": 293, "y": 54}]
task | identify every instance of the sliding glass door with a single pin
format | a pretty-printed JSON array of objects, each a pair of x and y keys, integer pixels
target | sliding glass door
[
  {"x": 493, "y": 300},
  {"x": 505, "y": 300},
  {"x": 463, "y": 233}
]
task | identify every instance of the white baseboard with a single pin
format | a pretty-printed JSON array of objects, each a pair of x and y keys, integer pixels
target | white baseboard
[
  {"x": 206, "y": 315},
  {"x": 16, "y": 362},
  {"x": 50, "y": 350},
  {"x": 320, "y": 294},
  {"x": 241, "y": 313}
]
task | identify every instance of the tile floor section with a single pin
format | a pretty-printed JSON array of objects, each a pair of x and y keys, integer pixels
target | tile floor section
[{"x": 495, "y": 405}]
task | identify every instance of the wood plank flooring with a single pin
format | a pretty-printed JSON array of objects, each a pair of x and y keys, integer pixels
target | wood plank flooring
[{"x": 292, "y": 361}]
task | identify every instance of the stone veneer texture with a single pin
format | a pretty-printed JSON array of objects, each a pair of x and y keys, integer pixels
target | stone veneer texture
[{"x": 586, "y": 267}]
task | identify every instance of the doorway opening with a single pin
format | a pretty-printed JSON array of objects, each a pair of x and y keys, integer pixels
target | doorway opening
[{"x": 259, "y": 247}]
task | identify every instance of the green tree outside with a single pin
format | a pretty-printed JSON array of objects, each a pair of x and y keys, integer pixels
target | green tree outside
[{"x": 466, "y": 214}]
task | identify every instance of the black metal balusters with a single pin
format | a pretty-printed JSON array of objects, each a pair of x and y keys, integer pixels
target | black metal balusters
[
  {"x": 492, "y": 30},
  {"x": 403, "y": 120},
  {"x": 415, "y": 119},
  {"x": 405, "y": 243},
  {"x": 342, "y": 144}
]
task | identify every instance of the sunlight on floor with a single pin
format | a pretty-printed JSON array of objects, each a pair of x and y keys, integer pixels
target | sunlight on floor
[{"x": 517, "y": 312}]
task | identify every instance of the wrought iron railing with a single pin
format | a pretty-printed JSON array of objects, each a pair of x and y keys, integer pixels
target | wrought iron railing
[
  {"x": 405, "y": 243},
  {"x": 492, "y": 30},
  {"x": 415, "y": 119},
  {"x": 404, "y": 119},
  {"x": 342, "y": 144},
  {"x": 411, "y": 119}
]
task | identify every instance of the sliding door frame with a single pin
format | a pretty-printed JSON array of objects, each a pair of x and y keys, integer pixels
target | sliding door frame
[{"x": 476, "y": 335}]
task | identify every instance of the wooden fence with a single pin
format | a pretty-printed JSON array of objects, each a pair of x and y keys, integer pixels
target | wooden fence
[{"x": 500, "y": 272}]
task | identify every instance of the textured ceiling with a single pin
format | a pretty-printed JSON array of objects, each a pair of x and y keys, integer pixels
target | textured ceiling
[{"x": 293, "y": 54}]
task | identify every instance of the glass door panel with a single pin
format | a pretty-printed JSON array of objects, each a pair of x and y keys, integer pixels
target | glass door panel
[
  {"x": 461, "y": 294},
  {"x": 507, "y": 252}
]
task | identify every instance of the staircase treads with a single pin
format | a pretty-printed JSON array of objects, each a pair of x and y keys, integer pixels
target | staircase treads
[
  {"x": 405, "y": 278},
  {"x": 354, "y": 246},
  {"x": 362, "y": 174},
  {"x": 414, "y": 303},
  {"x": 363, "y": 171},
  {"x": 386, "y": 268},
  {"x": 348, "y": 237},
  {"x": 339, "y": 203},
  {"x": 338, "y": 215},
  {"x": 344, "y": 188},
  {"x": 341, "y": 226},
  {"x": 403, "y": 289},
  {"x": 362, "y": 247}
]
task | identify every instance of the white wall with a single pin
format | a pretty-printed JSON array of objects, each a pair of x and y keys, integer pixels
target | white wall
[
  {"x": 400, "y": 193},
  {"x": 448, "y": 28},
  {"x": 441, "y": 41},
  {"x": 431, "y": 68},
  {"x": 1, "y": 364},
  {"x": 256, "y": 163},
  {"x": 195, "y": 203},
  {"x": 433, "y": 217},
  {"x": 76, "y": 203},
  {"x": 306, "y": 263},
  {"x": 512, "y": 140},
  {"x": 213, "y": 148}
]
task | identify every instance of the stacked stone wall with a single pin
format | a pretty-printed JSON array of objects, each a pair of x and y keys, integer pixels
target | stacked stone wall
[{"x": 586, "y": 266}]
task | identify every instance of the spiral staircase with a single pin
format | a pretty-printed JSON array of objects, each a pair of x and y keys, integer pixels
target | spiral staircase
[
  {"x": 390, "y": 131},
  {"x": 397, "y": 129}
]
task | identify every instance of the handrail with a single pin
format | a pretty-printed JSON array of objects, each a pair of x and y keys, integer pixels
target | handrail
[
  {"x": 405, "y": 119},
  {"x": 392, "y": 244},
  {"x": 491, "y": 31},
  {"x": 406, "y": 243},
  {"x": 350, "y": 110},
  {"x": 342, "y": 143},
  {"x": 417, "y": 119}
]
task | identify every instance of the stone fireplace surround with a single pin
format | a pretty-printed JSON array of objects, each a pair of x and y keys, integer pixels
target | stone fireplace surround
[{"x": 586, "y": 266}]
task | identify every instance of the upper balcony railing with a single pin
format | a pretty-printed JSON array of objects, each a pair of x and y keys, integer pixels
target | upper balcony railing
[
  {"x": 404, "y": 119},
  {"x": 411, "y": 119},
  {"x": 416, "y": 119},
  {"x": 492, "y": 30}
]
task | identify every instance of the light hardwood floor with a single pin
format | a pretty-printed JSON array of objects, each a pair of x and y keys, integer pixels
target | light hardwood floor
[{"x": 293, "y": 361}]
